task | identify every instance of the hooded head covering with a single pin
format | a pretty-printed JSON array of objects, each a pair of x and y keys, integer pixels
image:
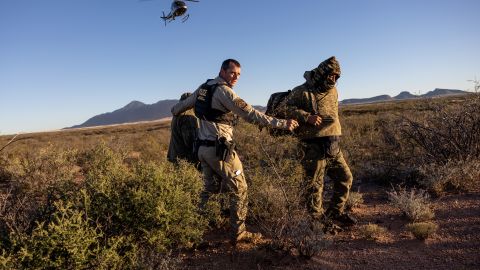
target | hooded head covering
[{"x": 318, "y": 77}]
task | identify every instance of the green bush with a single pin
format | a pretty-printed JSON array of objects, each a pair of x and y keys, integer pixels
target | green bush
[
  {"x": 111, "y": 215},
  {"x": 67, "y": 242},
  {"x": 371, "y": 231},
  {"x": 37, "y": 179},
  {"x": 154, "y": 203},
  {"x": 422, "y": 230}
]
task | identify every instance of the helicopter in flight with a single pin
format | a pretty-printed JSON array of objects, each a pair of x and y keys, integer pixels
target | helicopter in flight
[{"x": 178, "y": 8}]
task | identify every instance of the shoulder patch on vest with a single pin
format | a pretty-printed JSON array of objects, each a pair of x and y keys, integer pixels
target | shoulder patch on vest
[{"x": 241, "y": 104}]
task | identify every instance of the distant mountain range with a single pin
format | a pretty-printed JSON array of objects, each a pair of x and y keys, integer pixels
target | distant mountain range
[
  {"x": 438, "y": 92},
  {"x": 136, "y": 111}
]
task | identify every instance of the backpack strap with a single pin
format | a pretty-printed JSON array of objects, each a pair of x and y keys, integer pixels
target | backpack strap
[{"x": 314, "y": 101}]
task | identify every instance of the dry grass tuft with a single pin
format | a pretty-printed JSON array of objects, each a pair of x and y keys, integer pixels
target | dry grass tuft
[
  {"x": 422, "y": 230},
  {"x": 414, "y": 204},
  {"x": 372, "y": 231},
  {"x": 307, "y": 237}
]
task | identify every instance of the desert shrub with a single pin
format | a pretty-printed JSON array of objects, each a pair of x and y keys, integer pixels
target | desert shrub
[
  {"x": 151, "y": 147},
  {"x": 360, "y": 142},
  {"x": 390, "y": 143},
  {"x": 307, "y": 236},
  {"x": 450, "y": 132},
  {"x": 370, "y": 140},
  {"x": 444, "y": 144},
  {"x": 258, "y": 149},
  {"x": 38, "y": 179},
  {"x": 276, "y": 205},
  {"x": 274, "y": 173},
  {"x": 96, "y": 211},
  {"x": 268, "y": 204},
  {"x": 275, "y": 191},
  {"x": 217, "y": 210},
  {"x": 382, "y": 155},
  {"x": 422, "y": 230},
  {"x": 371, "y": 231},
  {"x": 154, "y": 203},
  {"x": 47, "y": 165},
  {"x": 414, "y": 204},
  {"x": 354, "y": 200},
  {"x": 5, "y": 173},
  {"x": 149, "y": 259},
  {"x": 463, "y": 175},
  {"x": 66, "y": 242}
]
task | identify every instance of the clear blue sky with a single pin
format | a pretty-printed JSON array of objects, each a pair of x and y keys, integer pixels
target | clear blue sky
[{"x": 64, "y": 61}]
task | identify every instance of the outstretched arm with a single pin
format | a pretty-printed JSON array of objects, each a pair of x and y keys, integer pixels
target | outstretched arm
[
  {"x": 185, "y": 104},
  {"x": 241, "y": 108}
]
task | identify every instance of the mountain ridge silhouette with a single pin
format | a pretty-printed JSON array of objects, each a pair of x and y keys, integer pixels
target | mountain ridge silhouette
[{"x": 136, "y": 111}]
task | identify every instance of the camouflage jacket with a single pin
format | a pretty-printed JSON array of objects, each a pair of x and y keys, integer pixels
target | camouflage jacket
[
  {"x": 184, "y": 129},
  {"x": 306, "y": 100}
]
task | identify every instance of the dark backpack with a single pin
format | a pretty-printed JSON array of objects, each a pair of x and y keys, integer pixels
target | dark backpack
[{"x": 276, "y": 107}]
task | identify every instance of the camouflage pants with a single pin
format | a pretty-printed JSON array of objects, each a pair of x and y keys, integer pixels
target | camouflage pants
[
  {"x": 318, "y": 162},
  {"x": 233, "y": 179}
]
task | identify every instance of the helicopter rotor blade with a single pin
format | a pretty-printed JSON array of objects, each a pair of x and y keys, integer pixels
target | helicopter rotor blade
[{"x": 165, "y": 18}]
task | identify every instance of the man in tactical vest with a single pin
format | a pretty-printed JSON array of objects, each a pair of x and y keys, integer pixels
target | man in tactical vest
[
  {"x": 314, "y": 105},
  {"x": 216, "y": 105},
  {"x": 184, "y": 128}
]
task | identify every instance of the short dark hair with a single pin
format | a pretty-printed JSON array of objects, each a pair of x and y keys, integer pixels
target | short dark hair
[{"x": 226, "y": 63}]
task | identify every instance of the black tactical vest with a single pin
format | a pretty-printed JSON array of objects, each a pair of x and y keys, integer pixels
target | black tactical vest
[{"x": 204, "y": 110}]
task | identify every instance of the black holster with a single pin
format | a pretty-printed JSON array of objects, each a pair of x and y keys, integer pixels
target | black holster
[{"x": 224, "y": 149}]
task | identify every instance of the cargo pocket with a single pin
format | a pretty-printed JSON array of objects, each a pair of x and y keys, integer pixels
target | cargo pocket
[{"x": 332, "y": 146}]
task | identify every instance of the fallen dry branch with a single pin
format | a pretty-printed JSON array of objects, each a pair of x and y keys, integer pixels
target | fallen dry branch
[{"x": 9, "y": 142}]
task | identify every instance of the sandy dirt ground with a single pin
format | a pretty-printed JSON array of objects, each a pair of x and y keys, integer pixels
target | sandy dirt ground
[{"x": 456, "y": 245}]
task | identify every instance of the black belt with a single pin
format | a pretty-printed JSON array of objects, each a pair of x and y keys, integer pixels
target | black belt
[{"x": 206, "y": 143}]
